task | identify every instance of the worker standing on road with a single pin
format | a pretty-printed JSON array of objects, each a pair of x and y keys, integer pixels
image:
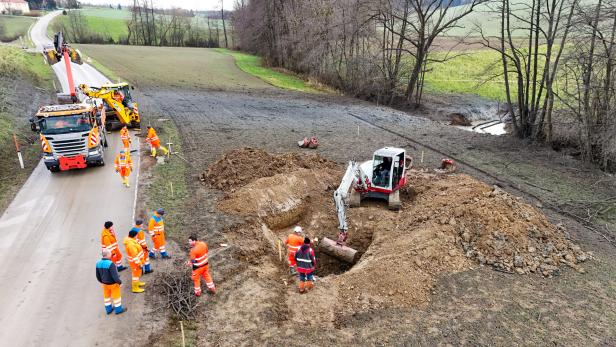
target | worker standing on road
[
  {"x": 123, "y": 166},
  {"x": 294, "y": 242},
  {"x": 125, "y": 137},
  {"x": 200, "y": 265},
  {"x": 156, "y": 228},
  {"x": 154, "y": 142},
  {"x": 109, "y": 242},
  {"x": 141, "y": 239},
  {"x": 306, "y": 263},
  {"x": 107, "y": 275},
  {"x": 134, "y": 253}
]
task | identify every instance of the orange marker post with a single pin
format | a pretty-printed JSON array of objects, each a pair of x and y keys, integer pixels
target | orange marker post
[{"x": 21, "y": 159}]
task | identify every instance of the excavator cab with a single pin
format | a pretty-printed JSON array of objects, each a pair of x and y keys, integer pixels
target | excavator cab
[{"x": 388, "y": 168}]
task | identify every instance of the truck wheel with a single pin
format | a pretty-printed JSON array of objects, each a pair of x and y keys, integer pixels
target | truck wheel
[
  {"x": 102, "y": 162},
  {"x": 54, "y": 168}
]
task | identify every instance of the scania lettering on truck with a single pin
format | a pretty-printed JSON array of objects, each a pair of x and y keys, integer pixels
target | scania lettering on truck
[{"x": 72, "y": 136}]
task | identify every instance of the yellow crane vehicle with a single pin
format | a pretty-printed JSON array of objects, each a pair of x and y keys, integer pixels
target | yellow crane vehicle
[{"x": 119, "y": 106}]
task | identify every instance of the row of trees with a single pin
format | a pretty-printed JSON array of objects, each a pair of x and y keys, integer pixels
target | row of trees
[
  {"x": 176, "y": 27},
  {"x": 149, "y": 26},
  {"x": 556, "y": 56}
]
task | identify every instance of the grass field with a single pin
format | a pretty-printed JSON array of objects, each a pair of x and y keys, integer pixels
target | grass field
[
  {"x": 475, "y": 72},
  {"x": 111, "y": 23},
  {"x": 12, "y": 27},
  {"x": 183, "y": 67},
  {"x": 251, "y": 64},
  {"x": 106, "y": 26},
  {"x": 16, "y": 62}
]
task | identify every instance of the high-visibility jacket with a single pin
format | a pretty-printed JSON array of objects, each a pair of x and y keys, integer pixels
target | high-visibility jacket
[
  {"x": 124, "y": 135},
  {"x": 156, "y": 229},
  {"x": 134, "y": 252},
  {"x": 306, "y": 261},
  {"x": 152, "y": 138},
  {"x": 140, "y": 237},
  {"x": 198, "y": 255},
  {"x": 123, "y": 165},
  {"x": 108, "y": 240},
  {"x": 293, "y": 242}
]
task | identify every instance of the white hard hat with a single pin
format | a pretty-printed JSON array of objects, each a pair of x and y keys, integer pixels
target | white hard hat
[{"x": 298, "y": 229}]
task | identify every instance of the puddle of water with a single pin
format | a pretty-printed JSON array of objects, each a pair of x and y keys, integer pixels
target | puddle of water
[{"x": 495, "y": 128}]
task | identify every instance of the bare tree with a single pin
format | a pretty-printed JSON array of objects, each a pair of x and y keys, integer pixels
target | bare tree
[{"x": 531, "y": 42}]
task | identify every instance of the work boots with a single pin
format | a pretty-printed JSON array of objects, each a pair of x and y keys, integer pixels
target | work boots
[
  {"x": 136, "y": 288},
  {"x": 120, "y": 309},
  {"x": 301, "y": 287},
  {"x": 308, "y": 285},
  {"x": 141, "y": 284}
]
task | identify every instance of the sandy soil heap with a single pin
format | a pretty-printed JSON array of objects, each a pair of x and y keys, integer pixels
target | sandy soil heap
[
  {"x": 448, "y": 223},
  {"x": 244, "y": 165}
]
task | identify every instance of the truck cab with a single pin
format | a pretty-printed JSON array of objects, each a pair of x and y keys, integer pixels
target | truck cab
[{"x": 72, "y": 136}]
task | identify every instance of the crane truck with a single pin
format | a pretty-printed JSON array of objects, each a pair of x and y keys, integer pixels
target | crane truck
[
  {"x": 71, "y": 132},
  {"x": 118, "y": 102},
  {"x": 379, "y": 178},
  {"x": 71, "y": 135}
]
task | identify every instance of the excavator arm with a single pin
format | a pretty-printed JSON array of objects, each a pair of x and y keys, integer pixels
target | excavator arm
[
  {"x": 124, "y": 114},
  {"x": 341, "y": 194}
]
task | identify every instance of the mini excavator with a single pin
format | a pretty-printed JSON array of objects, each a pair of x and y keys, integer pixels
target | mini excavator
[{"x": 379, "y": 178}]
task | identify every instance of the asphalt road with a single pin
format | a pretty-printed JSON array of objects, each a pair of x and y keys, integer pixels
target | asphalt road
[{"x": 50, "y": 242}]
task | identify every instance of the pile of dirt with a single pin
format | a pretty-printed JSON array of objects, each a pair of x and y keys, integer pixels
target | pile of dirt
[
  {"x": 241, "y": 166},
  {"x": 448, "y": 223},
  {"x": 492, "y": 226},
  {"x": 282, "y": 199}
]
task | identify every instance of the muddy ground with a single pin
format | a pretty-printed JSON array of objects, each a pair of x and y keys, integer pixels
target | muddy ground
[{"x": 476, "y": 305}]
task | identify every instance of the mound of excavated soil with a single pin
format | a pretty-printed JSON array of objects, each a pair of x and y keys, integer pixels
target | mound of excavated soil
[
  {"x": 241, "y": 166},
  {"x": 448, "y": 223},
  {"x": 492, "y": 226}
]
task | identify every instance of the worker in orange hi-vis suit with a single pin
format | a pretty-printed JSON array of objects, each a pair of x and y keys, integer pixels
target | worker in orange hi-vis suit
[
  {"x": 109, "y": 242},
  {"x": 294, "y": 242},
  {"x": 134, "y": 253},
  {"x": 123, "y": 166},
  {"x": 156, "y": 228},
  {"x": 141, "y": 239},
  {"x": 125, "y": 137},
  {"x": 200, "y": 265},
  {"x": 154, "y": 142}
]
